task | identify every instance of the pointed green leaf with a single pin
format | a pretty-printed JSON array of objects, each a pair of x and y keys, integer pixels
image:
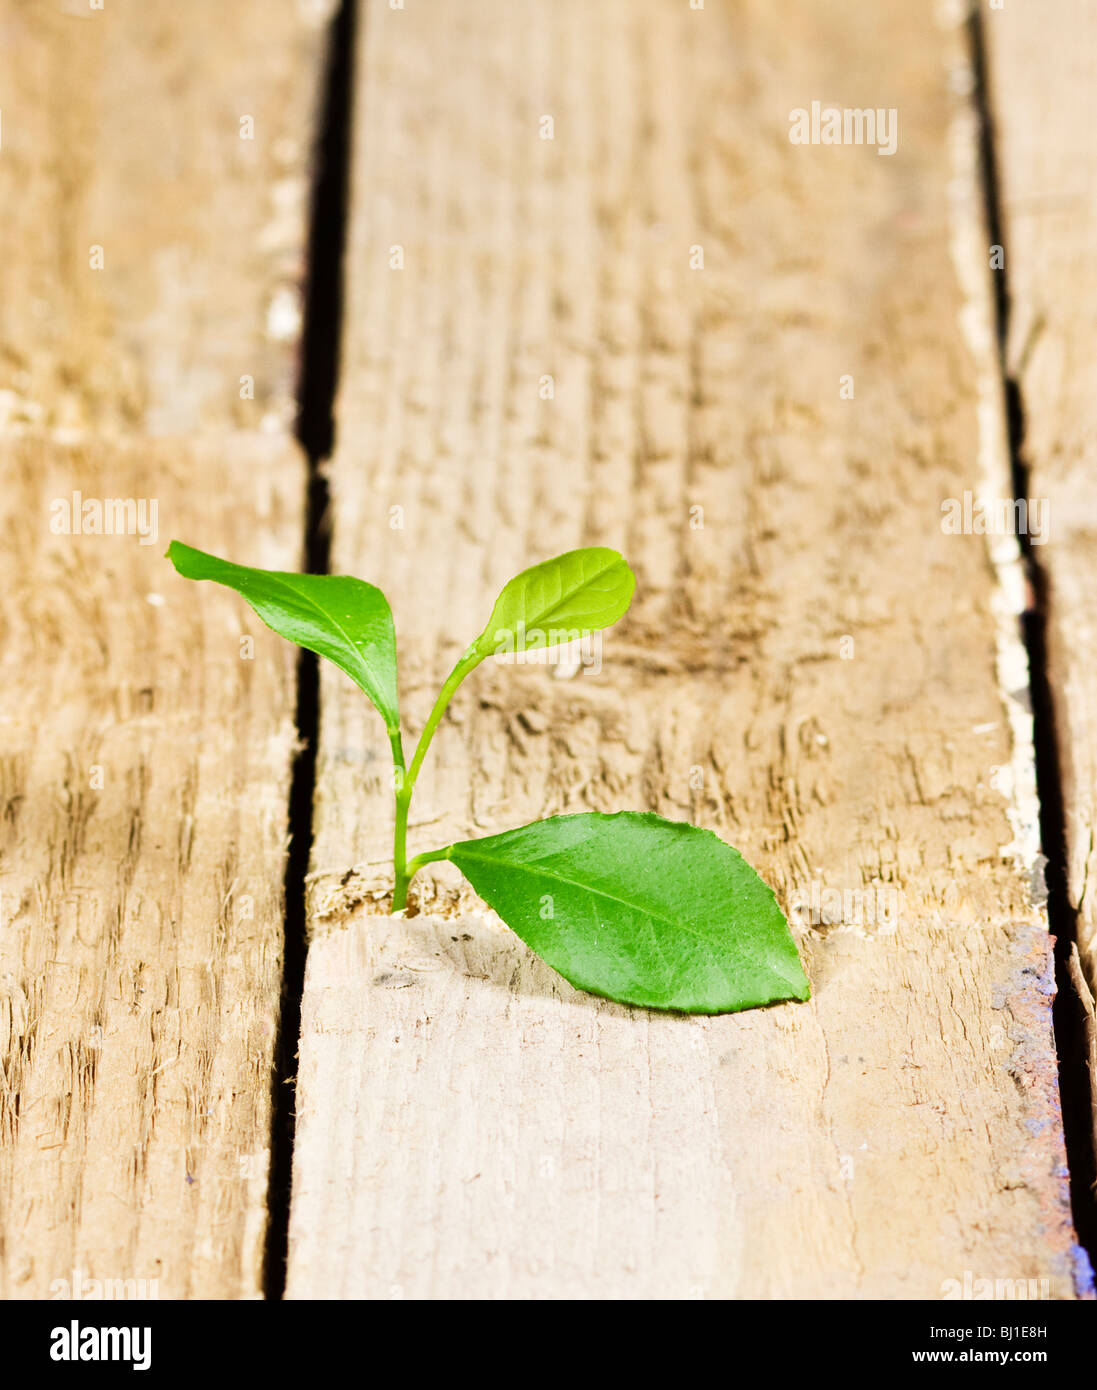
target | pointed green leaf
[
  {"x": 344, "y": 619},
  {"x": 640, "y": 909},
  {"x": 558, "y": 601}
]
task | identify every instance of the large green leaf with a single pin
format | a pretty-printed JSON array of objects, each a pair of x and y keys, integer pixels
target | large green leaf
[
  {"x": 640, "y": 909},
  {"x": 558, "y": 601},
  {"x": 344, "y": 619}
]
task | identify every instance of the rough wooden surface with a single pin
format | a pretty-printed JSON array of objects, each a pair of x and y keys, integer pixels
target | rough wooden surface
[
  {"x": 144, "y": 753},
  {"x": 122, "y": 131},
  {"x": 1048, "y": 173},
  {"x": 142, "y": 828},
  {"x": 468, "y": 1125}
]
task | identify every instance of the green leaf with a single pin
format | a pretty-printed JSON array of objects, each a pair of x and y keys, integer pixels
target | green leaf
[
  {"x": 640, "y": 909},
  {"x": 344, "y": 619},
  {"x": 558, "y": 601}
]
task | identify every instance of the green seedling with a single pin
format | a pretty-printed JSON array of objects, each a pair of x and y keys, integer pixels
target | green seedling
[{"x": 630, "y": 906}]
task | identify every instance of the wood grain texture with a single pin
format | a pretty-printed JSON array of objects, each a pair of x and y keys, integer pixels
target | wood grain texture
[
  {"x": 122, "y": 130},
  {"x": 468, "y": 1125},
  {"x": 145, "y": 770},
  {"x": 145, "y": 753},
  {"x": 1048, "y": 174}
]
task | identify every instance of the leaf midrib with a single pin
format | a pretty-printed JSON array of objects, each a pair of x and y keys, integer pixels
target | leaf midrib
[
  {"x": 590, "y": 579},
  {"x": 596, "y": 892}
]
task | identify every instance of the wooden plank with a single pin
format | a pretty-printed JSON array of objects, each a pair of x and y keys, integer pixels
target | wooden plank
[
  {"x": 122, "y": 130},
  {"x": 468, "y": 1125},
  {"x": 1044, "y": 65},
  {"x": 145, "y": 777},
  {"x": 145, "y": 750}
]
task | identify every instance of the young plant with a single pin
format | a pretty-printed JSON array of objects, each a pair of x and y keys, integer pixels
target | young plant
[{"x": 631, "y": 906}]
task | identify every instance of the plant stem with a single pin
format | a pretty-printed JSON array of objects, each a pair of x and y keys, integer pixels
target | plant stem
[
  {"x": 405, "y": 782},
  {"x": 470, "y": 659},
  {"x": 400, "y": 834},
  {"x": 399, "y": 852},
  {"x": 429, "y": 857}
]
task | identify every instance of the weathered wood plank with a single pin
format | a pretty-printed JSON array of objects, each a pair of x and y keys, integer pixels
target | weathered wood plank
[
  {"x": 1048, "y": 171},
  {"x": 122, "y": 130},
  {"x": 468, "y": 1125},
  {"x": 145, "y": 770},
  {"x": 145, "y": 752}
]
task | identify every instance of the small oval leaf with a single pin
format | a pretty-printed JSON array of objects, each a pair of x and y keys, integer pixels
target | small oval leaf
[
  {"x": 344, "y": 619},
  {"x": 640, "y": 909},
  {"x": 557, "y": 601}
]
